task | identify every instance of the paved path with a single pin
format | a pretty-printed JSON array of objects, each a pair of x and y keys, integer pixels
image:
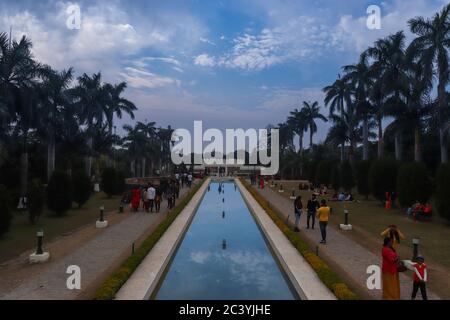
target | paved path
[
  {"x": 96, "y": 258},
  {"x": 340, "y": 250}
]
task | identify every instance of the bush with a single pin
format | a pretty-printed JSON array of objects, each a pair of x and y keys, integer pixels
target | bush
[
  {"x": 383, "y": 178},
  {"x": 59, "y": 193},
  {"x": 323, "y": 172},
  {"x": 5, "y": 213},
  {"x": 348, "y": 182},
  {"x": 81, "y": 187},
  {"x": 362, "y": 178},
  {"x": 443, "y": 190},
  {"x": 120, "y": 183},
  {"x": 413, "y": 184},
  {"x": 336, "y": 178},
  {"x": 109, "y": 181},
  {"x": 36, "y": 200}
]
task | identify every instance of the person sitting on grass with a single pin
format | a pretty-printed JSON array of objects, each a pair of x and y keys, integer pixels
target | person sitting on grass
[
  {"x": 427, "y": 210},
  {"x": 420, "y": 277},
  {"x": 341, "y": 196},
  {"x": 349, "y": 197},
  {"x": 393, "y": 233}
]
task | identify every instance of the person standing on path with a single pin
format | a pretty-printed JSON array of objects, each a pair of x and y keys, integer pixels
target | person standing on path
[
  {"x": 391, "y": 279},
  {"x": 151, "y": 193},
  {"x": 323, "y": 214},
  {"x": 189, "y": 179},
  {"x": 158, "y": 197},
  {"x": 420, "y": 278},
  {"x": 298, "y": 207},
  {"x": 311, "y": 207}
]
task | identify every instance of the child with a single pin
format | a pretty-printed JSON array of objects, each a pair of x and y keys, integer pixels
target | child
[{"x": 420, "y": 278}]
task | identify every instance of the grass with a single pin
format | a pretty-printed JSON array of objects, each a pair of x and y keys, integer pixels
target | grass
[
  {"x": 22, "y": 235},
  {"x": 329, "y": 277},
  {"x": 113, "y": 283}
]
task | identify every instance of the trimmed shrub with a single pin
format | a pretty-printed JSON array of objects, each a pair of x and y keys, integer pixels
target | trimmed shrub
[
  {"x": 323, "y": 172},
  {"x": 362, "y": 178},
  {"x": 336, "y": 178},
  {"x": 383, "y": 178},
  {"x": 120, "y": 183},
  {"x": 109, "y": 181},
  {"x": 36, "y": 200},
  {"x": 5, "y": 213},
  {"x": 348, "y": 182},
  {"x": 413, "y": 184},
  {"x": 442, "y": 194},
  {"x": 81, "y": 187},
  {"x": 59, "y": 193}
]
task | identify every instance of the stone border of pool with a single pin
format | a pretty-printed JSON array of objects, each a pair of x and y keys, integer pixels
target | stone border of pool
[
  {"x": 145, "y": 279},
  {"x": 302, "y": 276}
]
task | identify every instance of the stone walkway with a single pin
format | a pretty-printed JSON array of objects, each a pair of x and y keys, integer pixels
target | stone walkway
[
  {"x": 340, "y": 251},
  {"x": 97, "y": 259}
]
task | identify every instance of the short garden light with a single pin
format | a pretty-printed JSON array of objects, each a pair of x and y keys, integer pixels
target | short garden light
[
  {"x": 346, "y": 226},
  {"x": 101, "y": 222},
  {"x": 121, "y": 208},
  {"x": 40, "y": 238},
  {"x": 293, "y": 194},
  {"x": 415, "y": 243},
  {"x": 102, "y": 213},
  {"x": 39, "y": 256}
]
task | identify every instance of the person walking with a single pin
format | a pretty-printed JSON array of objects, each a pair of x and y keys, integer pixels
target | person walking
[
  {"x": 420, "y": 278},
  {"x": 136, "y": 199},
  {"x": 312, "y": 206},
  {"x": 189, "y": 178},
  {"x": 323, "y": 214},
  {"x": 158, "y": 197},
  {"x": 390, "y": 276},
  {"x": 151, "y": 193},
  {"x": 298, "y": 207}
]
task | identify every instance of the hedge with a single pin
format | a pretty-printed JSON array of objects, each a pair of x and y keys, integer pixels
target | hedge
[
  {"x": 347, "y": 179},
  {"x": 82, "y": 187},
  {"x": 442, "y": 194},
  {"x": 413, "y": 184},
  {"x": 330, "y": 278},
  {"x": 323, "y": 172},
  {"x": 383, "y": 178},
  {"x": 5, "y": 212},
  {"x": 362, "y": 177},
  {"x": 59, "y": 193},
  {"x": 336, "y": 178},
  {"x": 109, "y": 181},
  {"x": 113, "y": 284}
]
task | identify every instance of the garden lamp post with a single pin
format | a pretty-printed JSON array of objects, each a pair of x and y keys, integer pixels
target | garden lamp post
[
  {"x": 346, "y": 216},
  {"x": 40, "y": 239},
  {"x": 102, "y": 213},
  {"x": 346, "y": 226},
  {"x": 415, "y": 243},
  {"x": 101, "y": 222}
]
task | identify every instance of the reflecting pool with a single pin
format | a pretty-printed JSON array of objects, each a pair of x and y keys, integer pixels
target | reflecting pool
[{"x": 224, "y": 255}]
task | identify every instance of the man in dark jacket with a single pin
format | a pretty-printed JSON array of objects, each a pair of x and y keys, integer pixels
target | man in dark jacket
[{"x": 311, "y": 207}]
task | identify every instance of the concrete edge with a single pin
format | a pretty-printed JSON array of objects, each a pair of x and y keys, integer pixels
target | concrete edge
[
  {"x": 300, "y": 273},
  {"x": 146, "y": 277}
]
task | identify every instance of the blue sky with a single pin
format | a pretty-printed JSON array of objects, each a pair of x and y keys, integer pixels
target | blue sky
[{"x": 232, "y": 64}]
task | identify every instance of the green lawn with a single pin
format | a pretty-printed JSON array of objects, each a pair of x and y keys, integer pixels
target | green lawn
[
  {"x": 371, "y": 217},
  {"x": 22, "y": 235}
]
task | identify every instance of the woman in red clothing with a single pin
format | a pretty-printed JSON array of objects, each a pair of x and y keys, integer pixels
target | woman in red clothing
[
  {"x": 136, "y": 199},
  {"x": 391, "y": 280}
]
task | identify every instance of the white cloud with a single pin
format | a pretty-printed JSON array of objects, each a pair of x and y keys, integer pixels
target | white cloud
[
  {"x": 204, "y": 60},
  {"x": 138, "y": 78},
  {"x": 205, "y": 40}
]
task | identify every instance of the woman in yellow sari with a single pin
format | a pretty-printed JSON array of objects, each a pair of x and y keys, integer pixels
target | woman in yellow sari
[{"x": 391, "y": 280}]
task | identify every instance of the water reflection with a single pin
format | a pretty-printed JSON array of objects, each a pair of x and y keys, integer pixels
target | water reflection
[{"x": 207, "y": 267}]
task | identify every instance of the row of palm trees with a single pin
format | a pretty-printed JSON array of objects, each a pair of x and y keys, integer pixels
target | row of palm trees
[
  {"x": 392, "y": 79},
  {"x": 40, "y": 104}
]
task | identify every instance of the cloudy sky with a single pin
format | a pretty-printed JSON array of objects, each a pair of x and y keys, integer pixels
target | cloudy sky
[{"x": 230, "y": 63}]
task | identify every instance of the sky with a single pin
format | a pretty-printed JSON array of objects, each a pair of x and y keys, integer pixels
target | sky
[{"x": 232, "y": 64}]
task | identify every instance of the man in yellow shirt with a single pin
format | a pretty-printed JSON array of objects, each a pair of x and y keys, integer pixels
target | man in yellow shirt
[{"x": 323, "y": 214}]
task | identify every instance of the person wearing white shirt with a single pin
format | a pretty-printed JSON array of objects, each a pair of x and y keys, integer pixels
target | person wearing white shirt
[{"x": 151, "y": 193}]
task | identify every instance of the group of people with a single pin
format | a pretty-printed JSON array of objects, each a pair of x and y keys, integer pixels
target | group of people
[
  {"x": 314, "y": 210},
  {"x": 149, "y": 197},
  {"x": 342, "y": 196},
  {"x": 392, "y": 266},
  {"x": 419, "y": 211}
]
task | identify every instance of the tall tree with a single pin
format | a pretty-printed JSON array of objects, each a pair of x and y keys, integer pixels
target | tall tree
[
  {"x": 311, "y": 113},
  {"x": 433, "y": 42}
]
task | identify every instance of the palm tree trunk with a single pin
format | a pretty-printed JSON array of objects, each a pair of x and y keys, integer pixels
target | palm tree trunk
[
  {"x": 417, "y": 151},
  {"x": 365, "y": 138},
  {"x": 380, "y": 137},
  {"x": 311, "y": 133},
  {"x": 143, "y": 167},
  {"x": 89, "y": 158},
  {"x": 300, "y": 143},
  {"x": 398, "y": 146},
  {"x": 50, "y": 154},
  {"x": 24, "y": 167},
  {"x": 343, "y": 152},
  {"x": 442, "y": 106}
]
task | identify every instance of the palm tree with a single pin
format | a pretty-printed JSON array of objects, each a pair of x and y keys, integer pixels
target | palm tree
[
  {"x": 433, "y": 42},
  {"x": 18, "y": 72},
  {"x": 297, "y": 122},
  {"x": 54, "y": 97},
  {"x": 360, "y": 76},
  {"x": 92, "y": 98},
  {"x": 337, "y": 96},
  {"x": 391, "y": 81},
  {"x": 117, "y": 104},
  {"x": 311, "y": 112}
]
